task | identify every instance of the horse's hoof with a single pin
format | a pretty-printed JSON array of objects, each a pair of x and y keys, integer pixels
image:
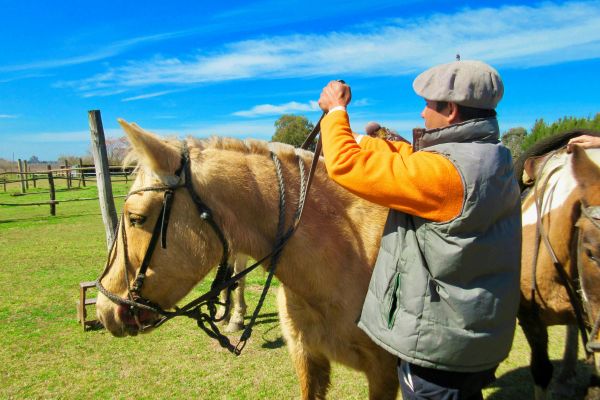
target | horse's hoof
[{"x": 234, "y": 327}]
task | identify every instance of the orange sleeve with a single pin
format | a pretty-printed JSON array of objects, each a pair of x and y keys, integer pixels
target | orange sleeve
[{"x": 419, "y": 183}]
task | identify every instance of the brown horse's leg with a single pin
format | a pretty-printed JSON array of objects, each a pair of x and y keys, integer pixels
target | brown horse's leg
[
  {"x": 565, "y": 381},
  {"x": 314, "y": 373},
  {"x": 312, "y": 368},
  {"x": 537, "y": 337},
  {"x": 383, "y": 380}
]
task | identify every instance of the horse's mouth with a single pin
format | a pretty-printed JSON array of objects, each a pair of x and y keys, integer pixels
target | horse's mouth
[{"x": 134, "y": 323}]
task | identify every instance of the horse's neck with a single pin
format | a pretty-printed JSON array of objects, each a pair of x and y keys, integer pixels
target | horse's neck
[
  {"x": 557, "y": 194},
  {"x": 339, "y": 233}
]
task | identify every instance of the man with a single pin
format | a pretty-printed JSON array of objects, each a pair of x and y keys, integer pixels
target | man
[{"x": 445, "y": 288}]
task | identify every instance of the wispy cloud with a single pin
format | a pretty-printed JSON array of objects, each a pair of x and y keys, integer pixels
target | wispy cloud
[
  {"x": 8, "y": 116},
  {"x": 148, "y": 95},
  {"x": 66, "y": 136},
  {"x": 517, "y": 36},
  {"x": 102, "y": 53},
  {"x": 287, "y": 108},
  {"x": 269, "y": 109}
]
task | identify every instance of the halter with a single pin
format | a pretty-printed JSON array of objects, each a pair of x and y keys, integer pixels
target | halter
[
  {"x": 580, "y": 306},
  {"x": 223, "y": 279}
]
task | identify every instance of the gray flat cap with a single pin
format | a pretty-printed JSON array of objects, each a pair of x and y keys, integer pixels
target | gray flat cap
[{"x": 468, "y": 83}]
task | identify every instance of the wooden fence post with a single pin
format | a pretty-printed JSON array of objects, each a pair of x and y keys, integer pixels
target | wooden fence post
[
  {"x": 23, "y": 190},
  {"x": 68, "y": 174},
  {"x": 107, "y": 202},
  {"x": 82, "y": 172},
  {"x": 25, "y": 167},
  {"x": 52, "y": 192}
]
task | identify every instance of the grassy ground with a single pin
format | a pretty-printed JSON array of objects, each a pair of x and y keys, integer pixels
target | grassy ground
[{"x": 44, "y": 353}]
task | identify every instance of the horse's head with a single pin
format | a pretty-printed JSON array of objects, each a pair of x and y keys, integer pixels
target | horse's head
[
  {"x": 192, "y": 247},
  {"x": 587, "y": 175}
]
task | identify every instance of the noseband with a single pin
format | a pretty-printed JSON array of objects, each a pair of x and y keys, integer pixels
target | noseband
[{"x": 206, "y": 320}]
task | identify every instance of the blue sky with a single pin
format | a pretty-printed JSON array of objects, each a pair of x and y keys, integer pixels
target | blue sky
[{"x": 232, "y": 68}]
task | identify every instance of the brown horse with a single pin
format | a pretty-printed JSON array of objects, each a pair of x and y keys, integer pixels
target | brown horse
[
  {"x": 561, "y": 247},
  {"x": 324, "y": 268}
]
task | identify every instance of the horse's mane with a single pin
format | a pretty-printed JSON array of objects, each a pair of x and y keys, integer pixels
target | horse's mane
[
  {"x": 546, "y": 145},
  {"x": 251, "y": 146},
  {"x": 248, "y": 146}
]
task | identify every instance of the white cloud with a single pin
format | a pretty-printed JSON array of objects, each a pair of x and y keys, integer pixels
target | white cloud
[
  {"x": 269, "y": 109},
  {"x": 8, "y": 116},
  {"x": 287, "y": 108},
  {"x": 517, "y": 36}
]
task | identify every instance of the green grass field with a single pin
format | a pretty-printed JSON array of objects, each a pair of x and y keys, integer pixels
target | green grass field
[{"x": 44, "y": 352}]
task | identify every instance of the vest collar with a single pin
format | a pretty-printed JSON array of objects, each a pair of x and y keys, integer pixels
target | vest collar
[{"x": 484, "y": 130}]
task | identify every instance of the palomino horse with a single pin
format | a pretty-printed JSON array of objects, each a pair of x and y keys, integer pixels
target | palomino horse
[
  {"x": 561, "y": 248},
  {"x": 324, "y": 268}
]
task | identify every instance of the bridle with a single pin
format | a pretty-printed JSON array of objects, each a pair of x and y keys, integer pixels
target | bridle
[
  {"x": 203, "y": 309},
  {"x": 573, "y": 286}
]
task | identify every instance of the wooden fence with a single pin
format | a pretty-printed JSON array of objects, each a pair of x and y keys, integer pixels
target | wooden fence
[{"x": 73, "y": 176}]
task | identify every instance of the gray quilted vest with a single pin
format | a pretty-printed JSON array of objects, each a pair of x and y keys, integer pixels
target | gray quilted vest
[{"x": 445, "y": 295}]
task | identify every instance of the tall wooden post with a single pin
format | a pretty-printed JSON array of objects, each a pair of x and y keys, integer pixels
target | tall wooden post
[
  {"x": 23, "y": 190},
  {"x": 52, "y": 192},
  {"x": 107, "y": 202}
]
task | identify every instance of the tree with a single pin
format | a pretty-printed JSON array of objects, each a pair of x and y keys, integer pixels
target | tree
[
  {"x": 33, "y": 160},
  {"x": 292, "y": 129},
  {"x": 541, "y": 129},
  {"x": 513, "y": 140},
  {"x": 116, "y": 150}
]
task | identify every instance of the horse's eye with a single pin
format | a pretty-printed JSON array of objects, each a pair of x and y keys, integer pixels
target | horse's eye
[{"x": 136, "y": 219}]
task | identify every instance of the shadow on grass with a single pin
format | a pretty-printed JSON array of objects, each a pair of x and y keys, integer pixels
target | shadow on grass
[
  {"x": 273, "y": 344},
  {"x": 262, "y": 319},
  {"x": 518, "y": 384},
  {"x": 48, "y": 218}
]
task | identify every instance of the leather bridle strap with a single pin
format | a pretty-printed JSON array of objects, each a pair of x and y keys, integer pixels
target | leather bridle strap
[{"x": 160, "y": 230}]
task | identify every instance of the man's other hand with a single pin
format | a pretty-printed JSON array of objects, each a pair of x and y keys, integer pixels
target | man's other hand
[{"x": 335, "y": 94}]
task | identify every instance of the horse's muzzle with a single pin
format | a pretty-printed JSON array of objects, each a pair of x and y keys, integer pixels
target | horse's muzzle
[{"x": 136, "y": 321}]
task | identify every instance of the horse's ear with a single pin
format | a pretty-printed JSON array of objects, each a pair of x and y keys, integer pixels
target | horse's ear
[
  {"x": 153, "y": 152},
  {"x": 532, "y": 167},
  {"x": 587, "y": 175}
]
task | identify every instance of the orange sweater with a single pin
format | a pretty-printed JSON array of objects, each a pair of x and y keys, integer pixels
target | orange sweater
[{"x": 419, "y": 183}]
